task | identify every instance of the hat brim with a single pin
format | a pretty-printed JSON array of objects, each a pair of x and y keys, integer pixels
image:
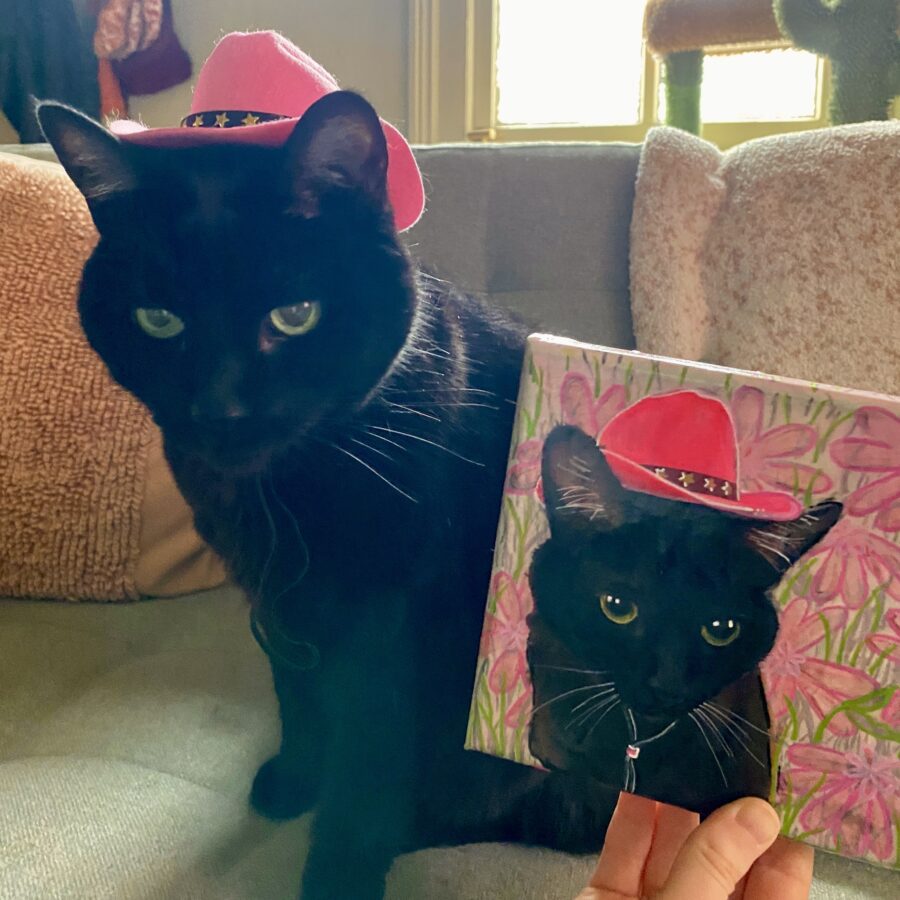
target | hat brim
[
  {"x": 405, "y": 190},
  {"x": 775, "y": 506}
]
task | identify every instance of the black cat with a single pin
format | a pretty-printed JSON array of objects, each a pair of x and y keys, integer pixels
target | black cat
[
  {"x": 340, "y": 427},
  {"x": 651, "y": 617}
]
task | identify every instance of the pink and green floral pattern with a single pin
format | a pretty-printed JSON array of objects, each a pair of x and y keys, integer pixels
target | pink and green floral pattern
[{"x": 831, "y": 679}]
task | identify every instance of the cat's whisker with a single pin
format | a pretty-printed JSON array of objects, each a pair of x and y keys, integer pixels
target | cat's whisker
[
  {"x": 437, "y": 404},
  {"x": 409, "y": 410},
  {"x": 715, "y": 731},
  {"x": 582, "y": 671},
  {"x": 300, "y": 541},
  {"x": 577, "y": 474},
  {"x": 373, "y": 449},
  {"x": 608, "y": 710},
  {"x": 697, "y": 722},
  {"x": 381, "y": 437},
  {"x": 418, "y": 437},
  {"x": 264, "y": 574},
  {"x": 601, "y": 694},
  {"x": 578, "y": 690},
  {"x": 723, "y": 715},
  {"x": 439, "y": 390},
  {"x": 583, "y": 717},
  {"x": 758, "y": 539},
  {"x": 374, "y": 471},
  {"x": 739, "y": 717},
  {"x": 743, "y": 741}
]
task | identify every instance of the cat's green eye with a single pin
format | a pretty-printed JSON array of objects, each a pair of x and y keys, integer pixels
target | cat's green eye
[
  {"x": 298, "y": 319},
  {"x": 618, "y": 610},
  {"x": 721, "y": 632},
  {"x": 158, "y": 323}
]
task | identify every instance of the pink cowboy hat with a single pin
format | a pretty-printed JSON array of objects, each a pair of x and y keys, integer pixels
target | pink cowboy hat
[
  {"x": 252, "y": 90},
  {"x": 682, "y": 446}
]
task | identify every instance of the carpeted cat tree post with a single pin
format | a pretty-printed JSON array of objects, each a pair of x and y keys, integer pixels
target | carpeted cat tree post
[
  {"x": 860, "y": 38},
  {"x": 679, "y": 31}
]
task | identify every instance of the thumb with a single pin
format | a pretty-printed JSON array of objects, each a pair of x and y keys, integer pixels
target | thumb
[{"x": 721, "y": 851}]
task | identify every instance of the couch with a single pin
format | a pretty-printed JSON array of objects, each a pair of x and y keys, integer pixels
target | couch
[{"x": 130, "y": 732}]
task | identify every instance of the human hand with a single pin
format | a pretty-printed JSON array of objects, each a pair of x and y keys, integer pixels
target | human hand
[{"x": 661, "y": 852}]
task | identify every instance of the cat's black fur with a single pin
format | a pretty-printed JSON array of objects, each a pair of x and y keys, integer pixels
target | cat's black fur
[
  {"x": 350, "y": 477},
  {"x": 683, "y": 566}
]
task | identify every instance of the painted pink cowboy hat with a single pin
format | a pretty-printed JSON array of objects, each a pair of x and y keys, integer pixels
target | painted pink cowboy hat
[
  {"x": 252, "y": 89},
  {"x": 682, "y": 446}
]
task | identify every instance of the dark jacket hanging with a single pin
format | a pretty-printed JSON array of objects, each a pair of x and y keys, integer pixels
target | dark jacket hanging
[{"x": 45, "y": 53}]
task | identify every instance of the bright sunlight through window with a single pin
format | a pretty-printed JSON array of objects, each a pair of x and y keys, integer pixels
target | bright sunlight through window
[
  {"x": 763, "y": 86},
  {"x": 570, "y": 61},
  {"x": 581, "y": 62}
]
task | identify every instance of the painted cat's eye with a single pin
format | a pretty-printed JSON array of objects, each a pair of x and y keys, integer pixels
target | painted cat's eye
[
  {"x": 158, "y": 323},
  {"x": 721, "y": 632},
  {"x": 298, "y": 319},
  {"x": 618, "y": 610}
]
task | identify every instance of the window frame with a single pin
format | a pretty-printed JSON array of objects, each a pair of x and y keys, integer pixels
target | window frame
[{"x": 453, "y": 90}]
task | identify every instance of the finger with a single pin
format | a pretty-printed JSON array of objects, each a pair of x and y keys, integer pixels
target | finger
[
  {"x": 625, "y": 849},
  {"x": 738, "y": 892},
  {"x": 785, "y": 871},
  {"x": 673, "y": 825},
  {"x": 721, "y": 850}
]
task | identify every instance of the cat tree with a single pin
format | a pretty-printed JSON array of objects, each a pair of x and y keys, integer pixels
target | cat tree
[{"x": 858, "y": 36}]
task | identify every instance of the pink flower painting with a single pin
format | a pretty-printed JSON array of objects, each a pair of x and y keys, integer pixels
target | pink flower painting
[
  {"x": 830, "y": 679},
  {"x": 525, "y": 469},
  {"x": 793, "y": 671},
  {"x": 853, "y": 798},
  {"x": 505, "y": 639},
  {"x": 580, "y": 408},
  {"x": 887, "y": 643},
  {"x": 770, "y": 458},
  {"x": 873, "y": 448},
  {"x": 855, "y": 561}
]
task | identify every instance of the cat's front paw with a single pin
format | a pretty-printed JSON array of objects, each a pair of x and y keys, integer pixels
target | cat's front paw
[{"x": 280, "y": 791}]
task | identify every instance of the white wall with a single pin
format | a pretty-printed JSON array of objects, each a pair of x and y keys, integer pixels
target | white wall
[{"x": 363, "y": 43}]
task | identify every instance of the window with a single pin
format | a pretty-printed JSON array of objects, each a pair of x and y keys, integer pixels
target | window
[{"x": 508, "y": 70}]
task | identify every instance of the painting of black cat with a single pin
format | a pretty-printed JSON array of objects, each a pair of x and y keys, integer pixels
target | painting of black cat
[{"x": 651, "y": 618}]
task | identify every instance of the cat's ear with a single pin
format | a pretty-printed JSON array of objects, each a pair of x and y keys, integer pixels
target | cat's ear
[
  {"x": 338, "y": 143},
  {"x": 94, "y": 159},
  {"x": 580, "y": 490},
  {"x": 781, "y": 544}
]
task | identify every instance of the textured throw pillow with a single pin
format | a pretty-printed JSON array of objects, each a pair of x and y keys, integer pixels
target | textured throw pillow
[
  {"x": 780, "y": 255},
  {"x": 88, "y": 508}
]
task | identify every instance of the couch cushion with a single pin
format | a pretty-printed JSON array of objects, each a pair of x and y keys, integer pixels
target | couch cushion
[
  {"x": 129, "y": 736},
  {"x": 780, "y": 255},
  {"x": 542, "y": 228}
]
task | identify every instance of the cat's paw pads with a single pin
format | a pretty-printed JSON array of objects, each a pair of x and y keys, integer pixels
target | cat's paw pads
[{"x": 281, "y": 792}]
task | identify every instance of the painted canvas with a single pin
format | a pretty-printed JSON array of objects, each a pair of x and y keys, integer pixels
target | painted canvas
[{"x": 696, "y": 591}]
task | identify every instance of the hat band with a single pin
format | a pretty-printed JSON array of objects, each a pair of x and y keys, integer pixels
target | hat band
[
  {"x": 229, "y": 118},
  {"x": 696, "y": 482}
]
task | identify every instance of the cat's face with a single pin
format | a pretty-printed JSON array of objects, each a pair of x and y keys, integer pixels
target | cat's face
[
  {"x": 247, "y": 295},
  {"x": 668, "y": 599}
]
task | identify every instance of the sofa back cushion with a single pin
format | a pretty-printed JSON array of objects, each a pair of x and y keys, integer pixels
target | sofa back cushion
[{"x": 88, "y": 509}]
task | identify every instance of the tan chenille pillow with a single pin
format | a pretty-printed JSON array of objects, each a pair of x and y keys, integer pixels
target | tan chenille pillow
[{"x": 88, "y": 508}]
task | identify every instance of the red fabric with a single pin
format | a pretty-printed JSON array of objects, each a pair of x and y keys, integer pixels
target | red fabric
[
  {"x": 692, "y": 432},
  {"x": 112, "y": 101},
  {"x": 264, "y": 72}
]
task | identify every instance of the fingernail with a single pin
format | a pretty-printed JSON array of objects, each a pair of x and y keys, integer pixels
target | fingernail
[{"x": 759, "y": 820}]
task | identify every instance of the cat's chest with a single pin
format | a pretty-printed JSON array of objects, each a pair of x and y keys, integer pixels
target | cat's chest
[{"x": 331, "y": 519}]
